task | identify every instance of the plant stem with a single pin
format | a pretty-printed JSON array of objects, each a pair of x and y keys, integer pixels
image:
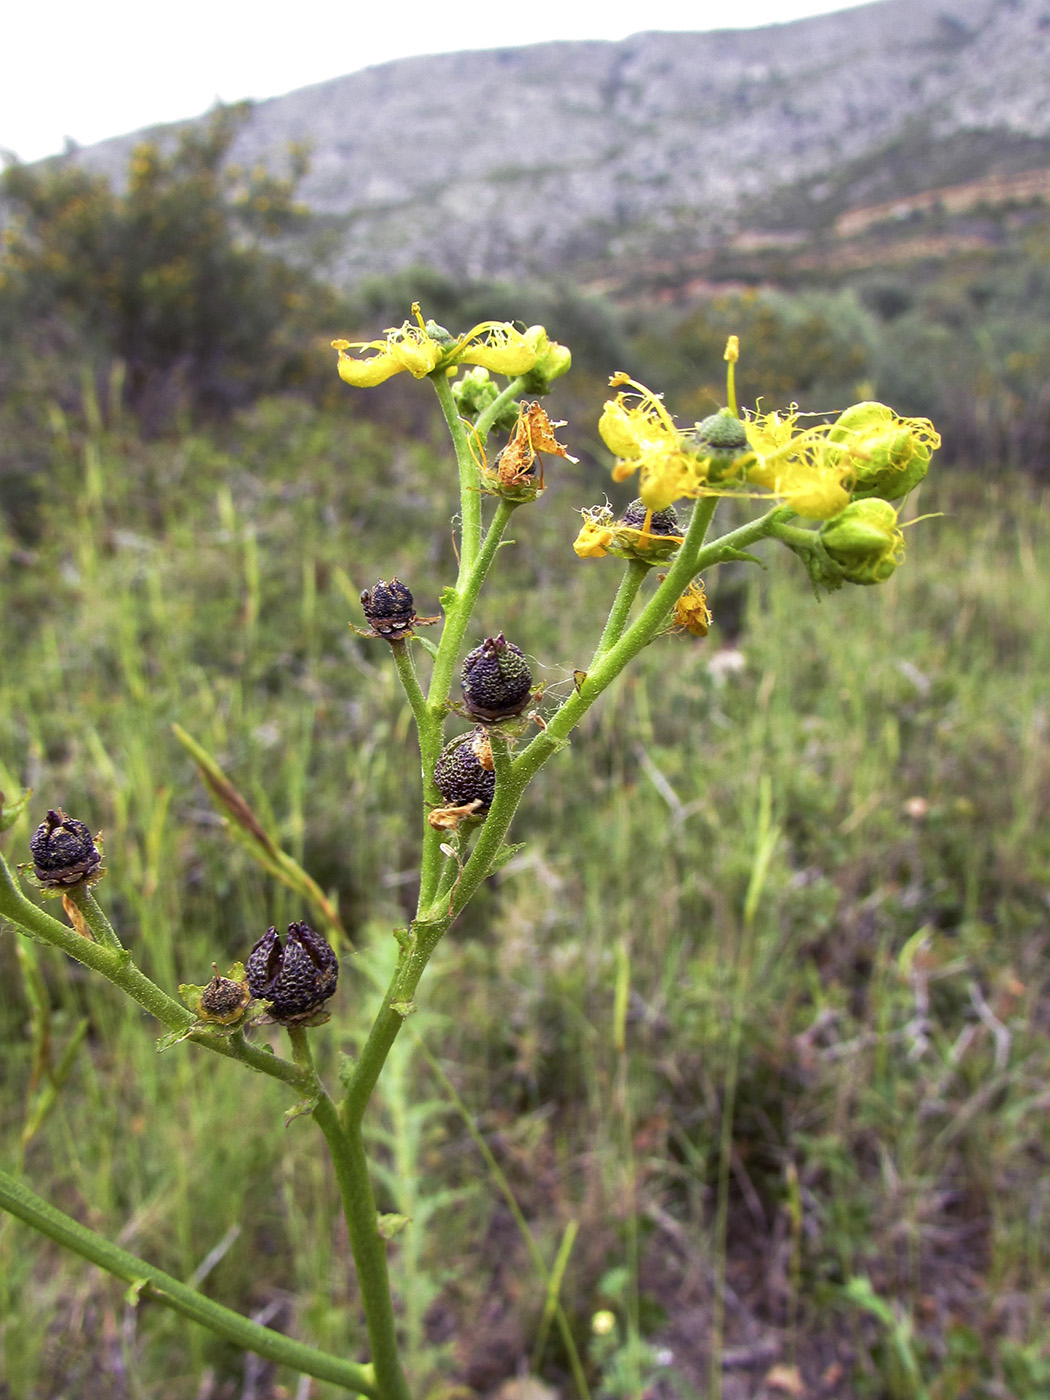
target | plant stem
[
  {"x": 152, "y": 1282},
  {"x": 406, "y": 671},
  {"x": 95, "y": 918},
  {"x": 369, "y": 1248},
  {"x": 633, "y": 578},
  {"x": 470, "y": 496}
]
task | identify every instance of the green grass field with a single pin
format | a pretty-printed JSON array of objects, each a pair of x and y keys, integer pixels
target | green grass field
[{"x": 759, "y": 1011}]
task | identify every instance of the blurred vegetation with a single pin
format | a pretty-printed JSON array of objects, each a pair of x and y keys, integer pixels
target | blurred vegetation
[{"x": 816, "y": 862}]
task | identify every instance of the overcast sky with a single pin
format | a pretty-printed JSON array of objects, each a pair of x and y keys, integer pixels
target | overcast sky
[{"x": 98, "y": 68}]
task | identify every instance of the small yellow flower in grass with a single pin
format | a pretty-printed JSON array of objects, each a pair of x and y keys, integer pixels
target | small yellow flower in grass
[{"x": 424, "y": 347}]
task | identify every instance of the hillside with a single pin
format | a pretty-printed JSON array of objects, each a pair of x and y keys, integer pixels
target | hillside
[{"x": 603, "y": 156}]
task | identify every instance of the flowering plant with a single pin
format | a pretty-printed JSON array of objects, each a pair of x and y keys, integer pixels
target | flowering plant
[{"x": 842, "y": 473}]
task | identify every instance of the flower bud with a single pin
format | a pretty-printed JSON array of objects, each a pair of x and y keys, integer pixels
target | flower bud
[
  {"x": 553, "y": 360},
  {"x": 474, "y": 391},
  {"x": 496, "y": 679},
  {"x": 295, "y": 979},
  {"x": 460, "y": 775},
  {"x": 722, "y": 440},
  {"x": 390, "y": 609},
  {"x": 863, "y": 541},
  {"x": 889, "y": 455},
  {"x": 64, "y": 854}
]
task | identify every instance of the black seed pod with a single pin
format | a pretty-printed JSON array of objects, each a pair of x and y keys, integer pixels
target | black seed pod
[
  {"x": 296, "y": 979},
  {"x": 460, "y": 775},
  {"x": 722, "y": 438},
  {"x": 63, "y": 852},
  {"x": 389, "y": 608},
  {"x": 497, "y": 681},
  {"x": 664, "y": 522},
  {"x": 223, "y": 1000}
]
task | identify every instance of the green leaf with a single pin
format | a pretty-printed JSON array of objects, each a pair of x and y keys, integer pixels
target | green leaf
[
  {"x": 307, "y": 1104},
  {"x": 426, "y": 644},
  {"x": 404, "y": 1008},
  {"x": 505, "y": 853},
  {"x": 449, "y": 599},
  {"x": 11, "y": 811},
  {"x": 391, "y": 1225}
]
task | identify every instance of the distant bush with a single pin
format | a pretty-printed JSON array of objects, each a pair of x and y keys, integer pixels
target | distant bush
[{"x": 170, "y": 274}]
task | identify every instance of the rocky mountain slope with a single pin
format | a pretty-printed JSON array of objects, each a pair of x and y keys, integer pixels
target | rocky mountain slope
[{"x": 666, "y": 148}]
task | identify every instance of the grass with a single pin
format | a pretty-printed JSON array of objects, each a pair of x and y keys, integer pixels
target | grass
[{"x": 759, "y": 1012}]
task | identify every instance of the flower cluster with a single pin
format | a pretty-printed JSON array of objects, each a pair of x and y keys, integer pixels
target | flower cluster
[
  {"x": 815, "y": 468},
  {"x": 424, "y": 347}
]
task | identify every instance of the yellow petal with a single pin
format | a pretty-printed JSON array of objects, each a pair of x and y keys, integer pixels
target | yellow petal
[{"x": 363, "y": 374}]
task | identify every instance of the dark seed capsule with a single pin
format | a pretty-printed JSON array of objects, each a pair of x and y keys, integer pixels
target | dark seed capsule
[
  {"x": 64, "y": 853},
  {"x": 663, "y": 522},
  {"x": 497, "y": 681},
  {"x": 460, "y": 775},
  {"x": 223, "y": 1000},
  {"x": 389, "y": 608},
  {"x": 297, "y": 978}
]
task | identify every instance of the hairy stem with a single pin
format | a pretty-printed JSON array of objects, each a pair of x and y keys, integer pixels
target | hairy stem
[{"x": 369, "y": 1248}]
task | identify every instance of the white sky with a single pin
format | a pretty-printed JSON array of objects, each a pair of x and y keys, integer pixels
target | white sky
[{"x": 98, "y": 68}]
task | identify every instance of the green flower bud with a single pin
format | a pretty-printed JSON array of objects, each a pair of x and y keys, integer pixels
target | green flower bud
[
  {"x": 889, "y": 456},
  {"x": 474, "y": 391},
  {"x": 722, "y": 439},
  {"x": 863, "y": 541}
]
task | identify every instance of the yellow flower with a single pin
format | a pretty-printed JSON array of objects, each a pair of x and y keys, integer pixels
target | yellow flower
[
  {"x": 645, "y": 440},
  {"x": 796, "y": 464},
  {"x": 691, "y": 613},
  {"x": 594, "y": 538},
  {"x": 425, "y": 347}
]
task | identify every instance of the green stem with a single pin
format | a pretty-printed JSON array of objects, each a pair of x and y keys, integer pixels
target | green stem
[
  {"x": 633, "y": 578},
  {"x": 154, "y": 1283},
  {"x": 95, "y": 917},
  {"x": 409, "y": 683},
  {"x": 488, "y": 416},
  {"x": 469, "y": 476},
  {"x": 431, "y": 722},
  {"x": 369, "y": 1248}
]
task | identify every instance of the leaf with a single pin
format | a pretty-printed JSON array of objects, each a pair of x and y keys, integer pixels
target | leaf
[
  {"x": 173, "y": 1038},
  {"x": 11, "y": 811},
  {"x": 449, "y": 599},
  {"x": 225, "y": 794},
  {"x": 134, "y": 1291},
  {"x": 404, "y": 1008},
  {"x": 426, "y": 644},
  {"x": 306, "y": 1104},
  {"x": 392, "y": 1224},
  {"x": 505, "y": 853}
]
